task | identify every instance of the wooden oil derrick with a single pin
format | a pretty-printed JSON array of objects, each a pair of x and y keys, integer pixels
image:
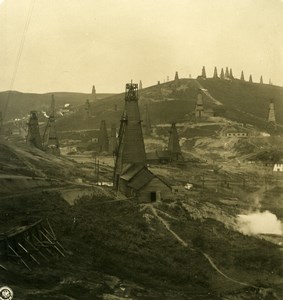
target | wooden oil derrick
[
  {"x": 147, "y": 121},
  {"x": 199, "y": 109},
  {"x": 251, "y": 79},
  {"x": 87, "y": 109},
  {"x": 176, "y": 76},
  {"x": 140, "y": 85},
  {"x": 227, "y": 73},
  {"x": 215, "y": 75},
  {"x": 93, "y": 93},
  {"x": 131, "y": 149},
  {"x": 33, "y": 136},
  {"x": 203, "y": 72},
  {"x": 103, "y": 140},
  {"x": 222, "y": 74},
  {"x": 261, "y": 80},
  {"x": 242, "y": 76},
  {"x": 173, "y": 144},
  {"x": 31, "y": 244},
  {"x": 231, "y": 74},
  {"x": 50, "y": 138},
  {"x": 113, "y": 139},
  {"x": 271, "y": 120}
]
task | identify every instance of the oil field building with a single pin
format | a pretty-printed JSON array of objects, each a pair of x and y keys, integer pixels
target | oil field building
[
  {"x": 236, "y": 132},
  {"x": 278, "y": 168},
  {"x": 131, "y": 174},
  {"x": 138, "y": 181}
]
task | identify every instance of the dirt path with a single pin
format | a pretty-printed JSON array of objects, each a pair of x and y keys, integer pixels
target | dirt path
[
  {"x": 224, "y": 275},
  {"x": 167, "y": 226},
  {"x": 206, "y": 92},
  {"x": 185, "y": 244}
]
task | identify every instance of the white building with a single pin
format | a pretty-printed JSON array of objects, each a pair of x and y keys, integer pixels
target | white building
[{"x": 278, "y": 168}]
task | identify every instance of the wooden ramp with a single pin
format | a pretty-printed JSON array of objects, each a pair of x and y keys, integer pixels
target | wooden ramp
[{"x": 31, "y": 244}]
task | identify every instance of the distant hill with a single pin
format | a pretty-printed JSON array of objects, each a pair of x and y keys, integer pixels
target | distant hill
[
  {"x": 243, "y": 102},
  {"x": 21, "y": 104},
  {"x": 246, "y": 102}
]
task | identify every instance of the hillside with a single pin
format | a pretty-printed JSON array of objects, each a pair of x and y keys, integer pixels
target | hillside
[
  {"x": 20, "y": 104},
  {"x": 189, "y": 247},
  {"x": 246, "y": 102},
  {"x": 242, "y": 102}
]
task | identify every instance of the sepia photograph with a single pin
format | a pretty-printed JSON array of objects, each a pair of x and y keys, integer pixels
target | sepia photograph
[{"x": 141, "y": 149}]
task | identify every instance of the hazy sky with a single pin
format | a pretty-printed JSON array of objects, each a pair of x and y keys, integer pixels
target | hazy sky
[{"x": 70, "y": 45}]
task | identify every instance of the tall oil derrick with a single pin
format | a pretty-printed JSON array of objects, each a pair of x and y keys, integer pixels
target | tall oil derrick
[
  {"x": 222, "y": 74},
  {"x": 176, "y": 76},
  {"x": 215, "y": 75},
  {"x": 261, "y": 80},
  {"x": 103, "y": 140},
  {"x": 87, "y": 109},
  {"x": 147, "y": 121},
  {"x": 251, "y": 78},
  {"x": 50, "y": 138},
  {"x": 242, "y": 76},
  {"x": 173, "y": 144},
  {"x": 33, "y": 136},
  {"x": 130, "y": 148},
  {"x": 93, "y": 93},
  {"x": 199, "y": 110},
  {"x": 227, "y": 73},
  {"x": 231, "y": 74},
  {"x": 113, "y": 139},
  {"x": 140, "y": 85},
  {"x": 271, "y": 117},
  {"x": 203, "y": 72}
]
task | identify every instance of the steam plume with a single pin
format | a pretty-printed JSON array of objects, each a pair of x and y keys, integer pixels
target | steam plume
[{"x": 259, "y": 223}]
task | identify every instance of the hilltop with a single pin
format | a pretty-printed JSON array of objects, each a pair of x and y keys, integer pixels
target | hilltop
[
  {"x": 242, "y": 102},
  {"x": 20, "y": 104}
]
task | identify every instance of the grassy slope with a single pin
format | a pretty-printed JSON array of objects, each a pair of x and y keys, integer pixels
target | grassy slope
[
  {"x": 246, "y": 102},
  {"x": 21, "y": 104},
  {"x": 118, "y": 241},
  {"x": 242, "y": 101}
]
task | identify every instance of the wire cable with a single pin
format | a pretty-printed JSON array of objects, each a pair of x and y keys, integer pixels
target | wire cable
[{"x": 14, "y": 75}]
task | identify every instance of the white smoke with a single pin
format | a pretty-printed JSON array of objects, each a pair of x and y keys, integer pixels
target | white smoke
[{"x": 259, "y": 223}]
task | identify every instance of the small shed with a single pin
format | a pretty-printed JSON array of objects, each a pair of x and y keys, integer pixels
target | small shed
[
  {"x": 159, "y": 157},
  {"x": 138, "y": 181}
]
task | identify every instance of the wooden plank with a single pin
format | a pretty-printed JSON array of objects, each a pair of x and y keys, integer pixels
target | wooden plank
[
  {"x": 27, "y": 252},
  {"x": 24, "y": 263},
  {"x": 52, "y": 243}
]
